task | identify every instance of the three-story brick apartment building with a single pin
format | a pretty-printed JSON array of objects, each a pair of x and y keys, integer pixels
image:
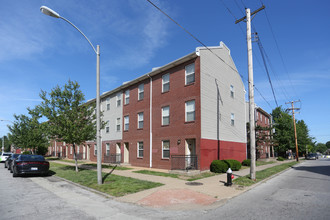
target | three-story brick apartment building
[{"x": 182, "y": 115}]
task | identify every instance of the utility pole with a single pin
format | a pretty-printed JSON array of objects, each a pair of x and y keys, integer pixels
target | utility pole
[
  {"x": 294, "y": 126},
  {"x": 251, "y": 90}
]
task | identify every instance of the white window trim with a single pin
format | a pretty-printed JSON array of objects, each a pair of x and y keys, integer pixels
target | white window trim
[
  {"x": 107, "y": 149},
  {"x": 118, "y": 124},
  {"x": 107, "y": 127},
  {"x": 107, "y": 103},
  {"x": 186, "y": 112},
  {"x": 166, "y": 115},
  {"x": 164, "y": 83},
  {"x": 141, "y": 90},
  {"x": 138, "y": 149},
  {"x": 163, "y": 149},
  {"x": 138, "y": 118},
  {"x": 95, "y": 150},
  {"x": 127, "y": 96},
  {"x": 126, "y": 122},
  {"x": 188, "y": 74},
  {"x": 232, "y": 91},
  {"x": 118, "y": 100},
  {"x": 232, "y": 119}
]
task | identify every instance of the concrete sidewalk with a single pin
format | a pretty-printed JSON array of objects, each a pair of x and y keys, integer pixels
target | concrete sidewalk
[{"x": 175, "y": 194}]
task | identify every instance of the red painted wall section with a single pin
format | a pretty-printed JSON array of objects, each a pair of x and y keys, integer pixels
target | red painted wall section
[{"x": 228, "y": 150}]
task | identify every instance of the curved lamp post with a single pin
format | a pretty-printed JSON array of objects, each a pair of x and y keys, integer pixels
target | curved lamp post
[{"x": 47, "y": 11}]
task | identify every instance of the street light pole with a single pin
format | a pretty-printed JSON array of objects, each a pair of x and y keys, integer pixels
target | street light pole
[{"x": 47, "y": 11}]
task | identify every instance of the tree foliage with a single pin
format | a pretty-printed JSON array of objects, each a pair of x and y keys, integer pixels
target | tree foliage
[
  {"x": 28, "y": 133},
  {"x": 69, "y": 119},
  {"x": 6, "y": 143},
  {"x": 284, "y": 133}
]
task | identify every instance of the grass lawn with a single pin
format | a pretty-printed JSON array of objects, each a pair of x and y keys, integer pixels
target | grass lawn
[
  {"x": 263, "y": 174},
  {"x": 172, "y": 175},
  {"x": 155, "y": 173},
  {"x": 108, "y": 166},
  {"x": 113, "y": 185}
]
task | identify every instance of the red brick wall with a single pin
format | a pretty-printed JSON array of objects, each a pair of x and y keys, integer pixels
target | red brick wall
[
  {"x": 176, "y": 130},
  {"x": 228, "y": 150}
]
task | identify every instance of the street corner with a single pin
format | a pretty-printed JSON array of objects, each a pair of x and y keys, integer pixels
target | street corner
[{"x": 177, "y": 199}]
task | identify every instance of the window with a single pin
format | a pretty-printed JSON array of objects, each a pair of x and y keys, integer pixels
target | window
[
  {"x": 126, "y": 97},
  {"x": 166, "y": 115},
  {"x": 107, "y": 127},
  {"x": 95, "y": 150},
  {"x": 166, "y": 149},
  {"x": 166, "y": 82},
  {"x": 78, "y": 148},
  {"x": 118, "y": 99},
  {"x": 118, "y": 124},
  {"x": 141, "y": 91},
  {"x": 107, "y": 148},
  {"x": 108, "y": 103},
  {"x": 140, "y": 120},
  {"x": 190, "y": 73},
  {"x": 232, "y": 119},
  {"x": 190, "y": 111},
  {"x": 232, "y": 91},
  {"x": 140, "y": 149},
  {"x": 126, "y": 123},
  {"x": 71, "y": 150}
]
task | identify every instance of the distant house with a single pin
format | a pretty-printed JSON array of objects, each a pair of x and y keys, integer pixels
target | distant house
[
  {"x": 263, "y": 126},
  {"x": 182, "y": 115}
]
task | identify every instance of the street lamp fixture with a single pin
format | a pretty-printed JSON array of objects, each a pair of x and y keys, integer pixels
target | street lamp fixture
[{"x": 47, "y": 11}]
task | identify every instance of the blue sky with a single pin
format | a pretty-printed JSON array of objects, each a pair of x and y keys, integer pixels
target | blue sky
[{"x": 39, "y": 52}]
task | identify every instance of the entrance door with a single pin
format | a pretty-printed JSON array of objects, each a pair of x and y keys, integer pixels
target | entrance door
[
  {"x": 118, "y": 153},
  {"x": 84, "y": 152},
  {"x": 88, "y": 152},
  {"x": 126, "y": 152},
  {"x": 190, "y": 151}
]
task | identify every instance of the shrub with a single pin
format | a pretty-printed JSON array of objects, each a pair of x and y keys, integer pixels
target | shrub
[
  {"x": 218, "y": 166},
  {"x": 26, "y": 152},
  {"x": 233, "y": 164},
  {"x": 246, "y": 162},
  {"x": 280, "y": 159}
]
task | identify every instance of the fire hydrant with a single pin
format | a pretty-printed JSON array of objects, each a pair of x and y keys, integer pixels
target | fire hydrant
[{"x": 230, "y": 176}]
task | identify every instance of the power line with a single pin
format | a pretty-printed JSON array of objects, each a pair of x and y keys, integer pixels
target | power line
[
  {"x": 263, "y": 58},
  {"x": 192, "y": 35}
]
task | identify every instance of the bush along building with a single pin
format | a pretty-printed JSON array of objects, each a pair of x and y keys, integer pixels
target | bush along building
[{"x": 181, "y": 116}]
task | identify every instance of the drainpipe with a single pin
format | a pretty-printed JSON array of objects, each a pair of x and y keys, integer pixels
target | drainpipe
[{"x": 150, "y": 141}]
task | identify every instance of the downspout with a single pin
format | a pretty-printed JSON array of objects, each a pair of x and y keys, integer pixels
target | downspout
[{"x": 150, "y": 135}]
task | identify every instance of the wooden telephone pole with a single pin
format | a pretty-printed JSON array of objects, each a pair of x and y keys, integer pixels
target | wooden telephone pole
[
  {"x": 251, "y": 90},
  {"x": 294, "y": 126}
]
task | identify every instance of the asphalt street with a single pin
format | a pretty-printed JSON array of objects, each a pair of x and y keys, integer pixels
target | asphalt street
[{"x": 303, "y": 192}]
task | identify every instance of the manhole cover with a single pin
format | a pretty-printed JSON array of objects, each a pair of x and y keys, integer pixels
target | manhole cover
[{"x": 194, "y": 183}]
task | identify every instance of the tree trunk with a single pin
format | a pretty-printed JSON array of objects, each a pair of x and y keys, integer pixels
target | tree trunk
[{"x": 75, "y": 157}]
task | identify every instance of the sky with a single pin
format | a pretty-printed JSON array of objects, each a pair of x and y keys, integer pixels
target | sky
[{"x": 38, "y": 52}]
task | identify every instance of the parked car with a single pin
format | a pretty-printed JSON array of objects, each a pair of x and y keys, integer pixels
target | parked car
[
  {"x": 9, "y": 161},
  {"x": 311, "y": 157},
  {"x": 4, "y": 156},
  {"x": 30, "y": 164}
]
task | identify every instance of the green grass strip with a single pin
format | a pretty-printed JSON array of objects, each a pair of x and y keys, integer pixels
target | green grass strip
[
  {"x": 155, "y": 173},
  {"x": 114, "y": 185},
  {"x": 263, "y": 174},
  {"x": 108, "y": 166}
]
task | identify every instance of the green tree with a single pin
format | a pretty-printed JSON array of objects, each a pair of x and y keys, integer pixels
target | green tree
[
  {"x": 6, "y": 143},
  {"x": 303, "y": 137},
  {"x": 69, "y": 119},
  {"x": 320, "y": 147},
  {"x": 28, "y": 133},
  {"x": 283, "y": 135},
  {"x": 328, "y": 144}
]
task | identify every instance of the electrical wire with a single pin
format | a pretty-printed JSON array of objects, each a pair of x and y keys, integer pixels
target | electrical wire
[{"x": 192, "y": 35}]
